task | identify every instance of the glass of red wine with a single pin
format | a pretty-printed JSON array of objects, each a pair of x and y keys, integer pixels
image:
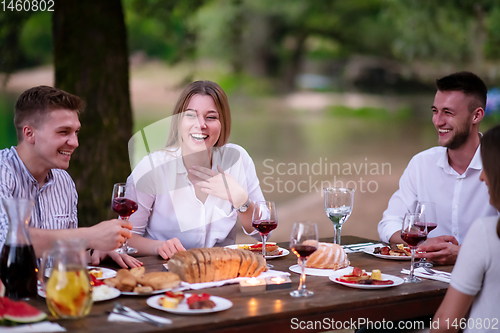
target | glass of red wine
[
  {"x": 303, "y": 242},
  {"x": 429, "y": 210},
  {"x": 264, "y": 220},
  {"x": 413, "y": 232},
  {"x": 124, "y": 207}
]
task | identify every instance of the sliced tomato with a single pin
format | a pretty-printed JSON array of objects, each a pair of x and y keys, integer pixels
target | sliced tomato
[{"x": 357, "y": 271}]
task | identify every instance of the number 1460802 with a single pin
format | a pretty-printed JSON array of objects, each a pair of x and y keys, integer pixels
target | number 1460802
[{"x": 27, "y": 5}]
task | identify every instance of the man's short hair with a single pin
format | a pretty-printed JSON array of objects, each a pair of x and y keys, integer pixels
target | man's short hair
[
  {"x": 35, "y": 103},
  {"x": 467, "y": 82}
]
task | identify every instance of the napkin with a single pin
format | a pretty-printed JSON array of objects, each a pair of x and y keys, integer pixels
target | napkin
[
  {"x": 351, "y": 248},
  {"x": 422, "y": 273},
  {"x": 44, "y": 326},
  {"x": 114, "y": 316},
  {"x": 263, "y": 275}
]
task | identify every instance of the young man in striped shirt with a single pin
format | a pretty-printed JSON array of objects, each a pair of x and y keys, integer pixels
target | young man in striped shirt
[{"x": 47, "y": 126}]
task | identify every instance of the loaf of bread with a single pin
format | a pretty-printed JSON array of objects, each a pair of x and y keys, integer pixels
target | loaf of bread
[
  {"x": 329, "y": 256},
  {"x": 215, "y": 264}
]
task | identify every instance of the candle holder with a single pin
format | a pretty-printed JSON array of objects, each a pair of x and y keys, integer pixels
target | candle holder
[
  {"x": 279, "y": 282},
  {"x": 252, "y": 285}
]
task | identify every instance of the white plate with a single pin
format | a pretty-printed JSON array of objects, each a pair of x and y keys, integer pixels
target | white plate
[
  {"x": 397, "y": 281},
  {"x": 369, "y": 250},
  {"x": 106, "y": 272},
  {"x": 319, "y": 271},
  {"x": 221, "y": 304},
  {"x": 284, "y": 252},
  {"x": 155, "y": 292},
  {"x": 114, "y": 293}
]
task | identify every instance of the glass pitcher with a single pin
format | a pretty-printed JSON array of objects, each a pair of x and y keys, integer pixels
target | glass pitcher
[
  {"x": 66, "y": 280},
  {"x": 17, "y": 260}
]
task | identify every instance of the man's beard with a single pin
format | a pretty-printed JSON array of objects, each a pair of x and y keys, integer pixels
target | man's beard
[{"x": 459, "y": 138}]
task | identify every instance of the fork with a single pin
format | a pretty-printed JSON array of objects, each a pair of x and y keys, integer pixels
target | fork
[
  {"x": 126, "y": 311},
  {"x": 433, "y": 272}
]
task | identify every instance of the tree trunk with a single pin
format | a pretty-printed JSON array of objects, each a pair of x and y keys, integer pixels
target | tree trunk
[{"x": 91, "y": 61}]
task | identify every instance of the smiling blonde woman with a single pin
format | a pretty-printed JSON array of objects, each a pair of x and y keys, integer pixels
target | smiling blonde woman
[{"x": 191, "y": 193}]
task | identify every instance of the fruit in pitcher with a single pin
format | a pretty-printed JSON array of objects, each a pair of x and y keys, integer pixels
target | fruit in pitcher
[{"x": 69, "y": 293}]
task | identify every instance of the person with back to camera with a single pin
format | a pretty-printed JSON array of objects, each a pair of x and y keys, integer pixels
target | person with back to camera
[
  {"x": 476, "y": 275},
  {"x": 191, "y": 193},
  {"x": 447, "y": 175}
]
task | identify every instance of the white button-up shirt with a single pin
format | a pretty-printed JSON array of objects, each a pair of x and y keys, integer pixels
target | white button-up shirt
[
  {"x": 168, "y": 206},
  {"x": 459, "y": 199}
]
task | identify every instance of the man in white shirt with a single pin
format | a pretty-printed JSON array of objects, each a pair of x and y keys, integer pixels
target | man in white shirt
[
  {"x": 446, "y": 175},
  {"x": 47, "y": 126}
]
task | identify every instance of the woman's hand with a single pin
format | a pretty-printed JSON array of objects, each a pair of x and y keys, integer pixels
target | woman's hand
[
  {"x": 221, "y": 185},
  {"x": 122, "y": 259},
  {"x": 167, "y": 249}
]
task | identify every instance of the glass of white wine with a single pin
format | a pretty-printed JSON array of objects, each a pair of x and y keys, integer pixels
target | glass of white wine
[{"x": 338, "y": 206}]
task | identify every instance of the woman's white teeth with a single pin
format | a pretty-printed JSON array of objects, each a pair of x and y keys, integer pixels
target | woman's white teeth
[
  {"x": 64, "y": 152},
  {"x": 199, "y": 136}
]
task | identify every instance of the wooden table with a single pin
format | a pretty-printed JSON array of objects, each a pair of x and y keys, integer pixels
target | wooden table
[{"x": 276, "y": 310}]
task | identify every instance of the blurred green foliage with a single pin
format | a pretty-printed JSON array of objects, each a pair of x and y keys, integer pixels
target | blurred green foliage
[
  {"x": 7, "y": 129},
  {"x": 272, "y": 39},
  {"x": 36, "y": 38}
]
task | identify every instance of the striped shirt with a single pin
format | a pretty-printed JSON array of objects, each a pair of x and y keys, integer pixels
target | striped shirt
[{"x": 55, "y": 203}]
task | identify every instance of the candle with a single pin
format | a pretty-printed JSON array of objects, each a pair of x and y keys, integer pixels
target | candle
[
  {"x": 253, "y": 282},
  {"x": 278, "y": 282},
  {"x": 252, "y": 285},
  {"x": 278, "y": 279}
]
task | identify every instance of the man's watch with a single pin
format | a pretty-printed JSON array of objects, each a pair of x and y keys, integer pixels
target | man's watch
[{"x": 243, "y": 208}]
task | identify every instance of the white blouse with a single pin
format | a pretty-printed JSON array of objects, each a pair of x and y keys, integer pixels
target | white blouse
[{"x": 168, "y": 206}]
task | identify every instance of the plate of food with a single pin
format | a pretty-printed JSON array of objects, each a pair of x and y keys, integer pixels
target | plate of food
[
  {"x": 189, "y": 304},
  {"x": 272, "y": 250},
  {"x": 99, "y": 273},
  {"x": 318, "y": 271},
  {"x": 393, "y": 252},
  {"x": 136, "y": 282},
  {"x": 358, "y": 278},
  {"x": 99, "y": 293}
]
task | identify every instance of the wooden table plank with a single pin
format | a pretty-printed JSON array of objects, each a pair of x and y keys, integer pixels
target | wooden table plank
[{"x": 276, "y": 309}]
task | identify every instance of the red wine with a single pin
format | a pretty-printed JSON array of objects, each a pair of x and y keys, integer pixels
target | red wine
[
  {"x": 18, "y": 271},
  {"x": 413, "y": 238},
  {"x": 431, "y": 226},
  {"x": 124, "y": 207},
  {"x": 303, "y": 251},
  {"x": 264, "y": 226}
]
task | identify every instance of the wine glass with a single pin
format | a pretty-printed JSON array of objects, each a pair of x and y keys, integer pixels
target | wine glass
[
  {"x": 264, "y": 219},
  {"x": 338, "y": 207},
  {"x": 124, "y": 207},
  {"x": 429, "y": 210},
  {"x": 413, "y": 232},
  {"x": 303, "y": 242}
]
